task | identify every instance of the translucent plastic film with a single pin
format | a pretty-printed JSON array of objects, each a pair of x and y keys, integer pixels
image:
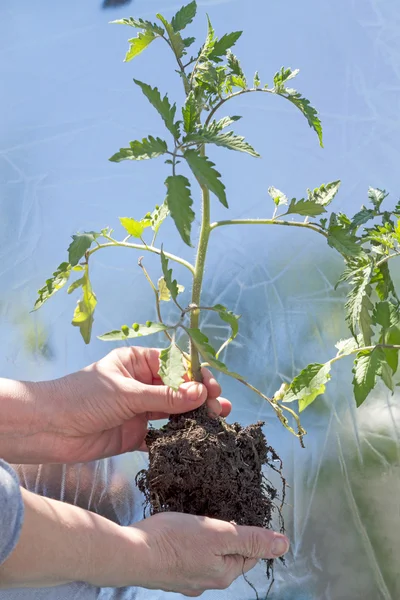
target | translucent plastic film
[{"x": 68, "y": 103}]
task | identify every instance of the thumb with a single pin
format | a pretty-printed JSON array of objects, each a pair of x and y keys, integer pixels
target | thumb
[
  {"x": 253, "y": 542},
  {"x": 161, "y": 398}
]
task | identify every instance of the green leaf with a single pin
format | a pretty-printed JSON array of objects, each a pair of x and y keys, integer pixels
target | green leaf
[
  {"x": 76, "y": 284},
  {"x": 140, "y": 24},
  {"x": 365, "y": 320},
  {"x": 277, "y": 196},
  {"x": 184, "y": 16},
  {"x": 135, "y": 331},
  {"x": 308, "y": 384},
  {"x": 386, "y": 376},
  {"x": 310, "y": 113},
  {"x": 81, "y": 242},
  {"x": 367, "y": 368},
  {"x": 138, "y": 44},
  {"x": 384, "y": 283},
  {"x": 175, "y": 38},
  {"x": 84, "y": 311},
  {"x": 377, "y": 196},
  {"x": 149, "y": 147},
  {"x": 283, "y": 76},
  {"x": 344, "y": 241},
  {"x": 188, "y": 41},
  {"x": 222, "y": 123},
  {"x": 172, "y": 366},
  {"x": 135, "y": 228},
  {"x": 203, "y": 169},
  {"x": 355, "y": 304},
  {"x": 386, "y": 314},
  {"x": 392, "y": 337},
  {"x": 172, "y": 285},
  {"x": 53, "y": 284},
  {"x": 229, "y": 317},
  {"x": 256, "y": 80},
  {"x": 228, "y": 140},
  {"x": 325, "y": 193},
  {"x": 190, "y": 113},
  {"x": 162, "y": 105},
  {"x": 164, "y": 295},
  {"x": 179, "y": 203},
  {"x": 206, "y": 351},
  {"x": 158, "y": 216},
  {"x": 307, "y": 208},
  {"x": 234, "y": 66},
  {"x": 347, "y": 346},
  {"x": 363, "y": 215},
  {"x": 222, "y": 45}
]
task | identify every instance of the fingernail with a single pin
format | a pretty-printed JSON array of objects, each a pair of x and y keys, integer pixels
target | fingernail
[
  {"x": 194, "y": 390},
  {"x": 280, "y": 545}
]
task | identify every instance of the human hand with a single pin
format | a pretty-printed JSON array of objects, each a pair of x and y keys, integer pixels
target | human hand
[
  {"x": 188, "y": 554},
  {"x": 104, "y": 409}
]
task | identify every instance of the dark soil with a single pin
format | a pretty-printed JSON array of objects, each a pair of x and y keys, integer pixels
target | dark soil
[{"x": 203, "y": 466}]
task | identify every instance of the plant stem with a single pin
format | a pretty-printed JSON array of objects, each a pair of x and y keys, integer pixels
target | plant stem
[
  {"x": 198, "y": 275},
  {"x": 268, "y": 222},
  {"x": 114, "y": 243},
  {"x": 362, "y": 349}
]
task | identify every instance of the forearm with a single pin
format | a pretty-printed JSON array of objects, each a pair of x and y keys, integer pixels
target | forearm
[
  {"x": 61, "y": 543},
  {"x": 22, "y": 423}
]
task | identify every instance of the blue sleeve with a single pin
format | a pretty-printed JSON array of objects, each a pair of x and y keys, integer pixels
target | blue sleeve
[{"x": 11, "y": 510}]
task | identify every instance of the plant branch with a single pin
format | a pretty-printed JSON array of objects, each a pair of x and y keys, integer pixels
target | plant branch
[
  {"x": 384, "y": 260},
  {"x": 269, "y": 222},
  {"x": 115, "y": 243},
  {"x": 364, "y": 348},
  {"x": 153, "y": 287},
  {"x": 198, "y": 275}
]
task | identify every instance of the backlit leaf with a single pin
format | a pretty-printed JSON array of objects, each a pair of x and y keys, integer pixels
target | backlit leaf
[
  {"x": 53, "y": 284},
  {"x": 277, "y": 196},
  {"x": 138, "y": 44},
  {"x": 307, "y": 208},
  {"x": 377, "y": 196},
  {"x": 135, "y": 228},
  {"x": 172, "y": 285},
  {"x": 325, "y": 193},
  {"x": 158, "y": 216},
  {"x": 162, "y": 105},
  {"x": 367, "y": 368},
  {"x": 227, "y": 140},
  {"x": 203, "y": 169},
  {"x": 81, "y": 242},
  {"x": 172, "y": 367},
  {"x": 222, "y": 45},
  {"x": 149, "y": 147},
  {"x": 184, "y": 16},
  {"x": 308, "y": 384},
  {"x": 179, "y": 203},
  {"x": 135, "y": 331},
  {"x": 164, "y": 295},
  {"x": 84, "y": 311},
  {"x": 140, "y": 24}
]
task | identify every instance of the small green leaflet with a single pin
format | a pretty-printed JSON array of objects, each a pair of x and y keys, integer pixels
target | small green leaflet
[
  {"x": 277, "y": 196},
  {"x": 135, "y": 228},
  {"x": 162, "y": 105},
  {"x": 367, "y": 368},
  {"x": 184, "y": 16},
  {"x": 363, "y": 215},
  {"x": 354, "y": 304},
  {"x": 377, "y": 196},
  {"x": 234, "y": 66},
  {"x": 81, "y": 242},
  {"x": 172, "y": 284},
  {"x": 308, "y": 384},
  {"x": 392, "y": 337},
  {"x": 179, "y": 203},
  {"x": 384, "y": 284},
  {"x": 172, "y": 366},
  {"x": 139, "y": 43},
  {"x": 76, "y": 284},
  {"x": 227, "y": 140},
  {"x": 325, "y": 193},
  {"x": 347, "y": 346},
  {"x": 206, "y": 351},
  {"x": 283, "y": 76},
  {"x": 158, "y": 216},
  {"x": 53, "y": 284},
  {"x": 386, "y": 314},
  {"x": 307, "y": 208},
  {"x": 222, "y": 45},
  {"x": 164, "y": 295},
  {"x": 229, "y": 317},
  {"x": 135, "y": 331},
  {"x": 176, "y": 40},
  {"x": 256, "y": 80},
  {"x": 140, "y": 24},
  {"x": 149, "y": 147},
  {"x": 344, "y": 241},
  {"x": 190, "y": 113},
  {"x": 84, "y": 311},
  {"x": 217, "y": 126},
  {"x": 203, "y": 169}
]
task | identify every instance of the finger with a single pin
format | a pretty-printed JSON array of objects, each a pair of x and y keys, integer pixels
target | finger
[
  {"x": 226, "y": 407},
  {"x": 217, "y": 407},
  {"x": 161, "y": 398},
  {"x": 251, "y": 542}
]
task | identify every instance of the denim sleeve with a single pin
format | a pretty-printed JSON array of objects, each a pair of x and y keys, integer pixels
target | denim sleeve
[{"x": 11, "y": 510}]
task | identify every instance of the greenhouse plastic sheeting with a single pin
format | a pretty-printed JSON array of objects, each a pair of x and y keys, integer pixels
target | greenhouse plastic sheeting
[{"x": 67, "y": 103}]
